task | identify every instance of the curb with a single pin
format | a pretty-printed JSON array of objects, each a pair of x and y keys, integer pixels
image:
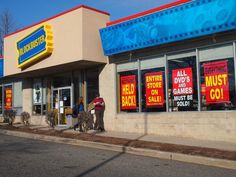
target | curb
[{"x": 229, "y": 164}]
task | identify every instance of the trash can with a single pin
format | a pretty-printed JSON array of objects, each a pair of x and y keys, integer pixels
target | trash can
[{"x": 70, "y": 121}]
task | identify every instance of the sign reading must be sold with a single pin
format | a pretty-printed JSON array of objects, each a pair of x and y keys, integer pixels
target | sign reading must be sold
[
  {"x": 182, "y": 84},
  {"x": 216, "y": 82}
]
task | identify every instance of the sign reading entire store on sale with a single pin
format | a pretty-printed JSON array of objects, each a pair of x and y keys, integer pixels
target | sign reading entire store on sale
[
  {"x": 34, "y": 46},
  {"x": 128, "y": 92},
  {"x": 216, "y": 82},
  {"x": 154, "y": 89}
]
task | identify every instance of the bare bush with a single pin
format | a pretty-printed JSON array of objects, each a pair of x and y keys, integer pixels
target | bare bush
[
  {"x": 25, "y": 116},
  {"x": 9, "y": 116}
]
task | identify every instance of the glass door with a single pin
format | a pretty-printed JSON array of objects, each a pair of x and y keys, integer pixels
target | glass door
[{"x": 62, "y": 103}]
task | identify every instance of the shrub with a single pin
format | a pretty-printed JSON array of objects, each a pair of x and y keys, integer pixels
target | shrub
[
  {"x": 50, "y": 118},
  {"x": 25, "y": 116},
  {"x": 9, "y": 116}
]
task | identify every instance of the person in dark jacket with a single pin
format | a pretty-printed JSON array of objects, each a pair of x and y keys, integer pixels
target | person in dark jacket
[
  {"x": 99, "y": 106},
  {"x": 77, "y": 109}
]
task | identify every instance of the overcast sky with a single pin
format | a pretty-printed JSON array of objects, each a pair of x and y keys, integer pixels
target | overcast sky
[{"x": 27, "y": 12}]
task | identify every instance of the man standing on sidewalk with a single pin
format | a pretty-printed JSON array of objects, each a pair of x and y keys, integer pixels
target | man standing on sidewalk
[{"x": 99, "y": 105}]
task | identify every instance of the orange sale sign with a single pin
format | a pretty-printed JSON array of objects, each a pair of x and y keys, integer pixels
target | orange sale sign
[
  {"x": 216, "y": 82},
  {"x": 154, "y": 89},
  {"x": 128, "y": 92},
  {"x": 8, "y": 98}
]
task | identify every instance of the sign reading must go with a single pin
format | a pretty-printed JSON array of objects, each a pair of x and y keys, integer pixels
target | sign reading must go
[
  {"x": 34, "y": 46},
  {"x": 216, "y": 82},
  {"x": 128, "y": 92}
]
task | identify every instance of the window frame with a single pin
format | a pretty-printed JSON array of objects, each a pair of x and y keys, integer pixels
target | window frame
[
  {"x": 194, "y": 50},
  {"x": 161, "y": 63},
  {"x": 43, "y": 96}
]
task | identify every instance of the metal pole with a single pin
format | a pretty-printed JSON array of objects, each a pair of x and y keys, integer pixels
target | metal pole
[
  {"x": 166, "y": 82},
  {"x": 198, "y": 80},
  {"x": 139, "y": 87}
]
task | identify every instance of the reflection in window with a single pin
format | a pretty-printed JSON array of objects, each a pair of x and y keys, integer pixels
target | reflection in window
[
  {"x": 62, "y": 80},
  {"x": 153, "y": 90},
  {"x": 182, "y": 77},
  {"x": 128, "y": 92},
  {"x": 92, "y": 84},
  {"x": 218, "y": 85},
  {"x": 8, "y": 97},
  {"x": 39, "y": 97}
]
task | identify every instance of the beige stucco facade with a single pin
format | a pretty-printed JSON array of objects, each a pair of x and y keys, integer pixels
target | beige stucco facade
[
  {"x": 205, "y": 125},
  {"x": 76, "y": 47},
  {"x": 75, "y": 37}
]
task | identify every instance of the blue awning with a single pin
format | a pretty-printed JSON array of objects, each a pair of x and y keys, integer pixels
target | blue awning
[{"x": 190, "y": 20}]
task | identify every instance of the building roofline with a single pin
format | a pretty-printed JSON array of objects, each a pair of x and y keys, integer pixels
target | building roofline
[
  {"x": 166, "y": 6},
  {"x": 55, "y": 16}
]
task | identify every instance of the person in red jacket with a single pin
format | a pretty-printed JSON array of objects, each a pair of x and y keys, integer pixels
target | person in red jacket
[{"x": 99, "y": 106}]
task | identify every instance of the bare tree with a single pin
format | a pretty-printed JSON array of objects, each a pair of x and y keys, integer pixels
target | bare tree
[{"x": 6, "y": 26}]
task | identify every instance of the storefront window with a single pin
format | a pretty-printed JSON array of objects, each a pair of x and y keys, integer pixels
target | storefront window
[
  {"x": 62, "y": 80},
  {"x": 78, "y": 82},
  {"x": 128, "y": 91},
  {"x": 1, "y": 102},
  {"x": 153, "y": 84},
  {"x": 215, "y": 86},
  {"x": 39, "y": 97},
  {"x": 217, "y": 78},
  {"x": 182, "y": 77},
  {"x": 218, "y": 85},
  {"x": 92, "y": 84},
  {"x": 8, "y": 97},
  {"x": 127, "y": 82},
  {"x": 153, "y": 90},
  {"x": 17, "y": 96}
]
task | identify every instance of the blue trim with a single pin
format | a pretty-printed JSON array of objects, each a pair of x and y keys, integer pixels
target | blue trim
[
  {"x": 1, "y": 67},
  {"x": 190, "y": 20}
]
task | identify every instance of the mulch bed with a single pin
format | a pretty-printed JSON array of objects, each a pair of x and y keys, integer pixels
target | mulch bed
[{"x": 191, "y": 150}]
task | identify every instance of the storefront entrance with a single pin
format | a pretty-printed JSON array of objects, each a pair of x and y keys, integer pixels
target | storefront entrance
[
  {"x": 62, "y": 103},
  {"x": 66, "y": 89}
]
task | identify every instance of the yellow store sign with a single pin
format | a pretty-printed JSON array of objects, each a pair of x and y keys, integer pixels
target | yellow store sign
[{"x": 34, "y": 46}]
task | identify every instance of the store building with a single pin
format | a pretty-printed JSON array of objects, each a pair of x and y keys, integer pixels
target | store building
[
  {"x": 1, "y": 82},
  {"x": 49, "y": 65},
  {"x": 168, "y": 71},
  {"x": 173, "y": 69}
]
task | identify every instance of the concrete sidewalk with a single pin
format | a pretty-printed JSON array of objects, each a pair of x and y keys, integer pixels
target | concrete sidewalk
[
  {"x": 166, "y": 139},
  {"x": 227, "y": 147},
  {"x": 150, "y": 138},
  {"x": 174, "y": 140}
]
